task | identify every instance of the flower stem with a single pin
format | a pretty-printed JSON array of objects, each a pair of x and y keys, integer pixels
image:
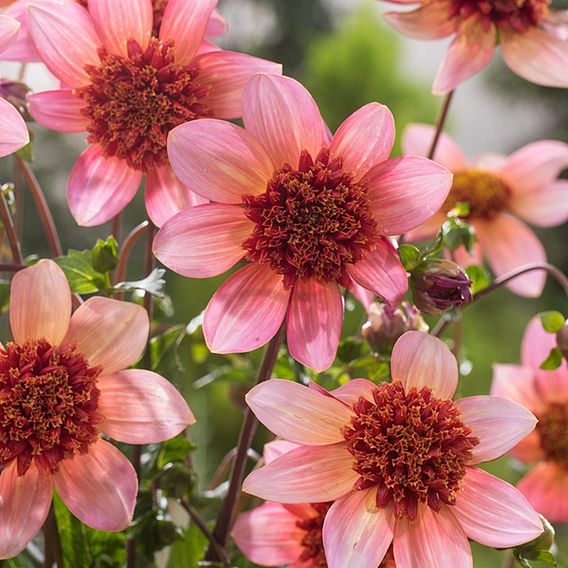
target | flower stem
[
  {"x": 8, "y": 223},
  {"x": 248, "y": 429},
  {"x": 53, "y": 550},
  {"x": 117, "y": 226},
  {"x": 129, "y": 242},
  {"x": 10, "y": 267},
  {"x": 441, "y": 123}
]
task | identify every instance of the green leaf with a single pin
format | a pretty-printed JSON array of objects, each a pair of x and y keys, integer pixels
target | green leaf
[
  {"x": 174, "y": 450},
  {"x": 26, "y": 153},
  {"x": 461, "y": 209},
  {"x": 154, "y": 283},
  {"x": 553, "y": 361},
  {"x": 478, "y": 276},
  {"x": 82, "y": 276},
  {"x": 526, "y": 557},
  {"x": 189, "y": 550},
  {"x": 104, "y": 255},
  {"x": 552, "y": 321},
  {"x": 409, "y": 256},
  {"x": 4, "y": 295},
  {"x": 457, "y": 233}
]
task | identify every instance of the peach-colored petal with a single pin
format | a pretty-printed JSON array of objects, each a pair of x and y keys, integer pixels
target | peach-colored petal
[
  {"x": 355, "y": 532},
  {"x": 353, "y": 390},
  {"x": 509, "y": 244},
  {"x": 277, "y": 448},
  {"x": 203, "y": 241},
  {"x": 313, "y": 325},
  {"x": 517, "y": 384},
  {"x": 427, "y": 230},
  {"x": 99, "y": 188},
  {"x": 226, "y": 73},
  {"x": 24, "y": 504},
  {"x": 381, "y": 271},
  {"x": 185, "y": 23},
  {"x": 491, "y": 161},
  {"x": 470, "y": 52},
  {"x": 430, "y": 21},
  {"x": 105, "y": 473},
  {"x": 498, "y": 423},
  {"x": 23, "y": 49},
  {"x": 545, "y": 208},
  {"x": 299, "y": 414},
  {"x": 431, "y": 537},
  {"x": 13, "y": 130},
  {"x": 494, "y": 513},
  {"x": 465, "y": 258},
  {"x": 9, "y": 28},
  {"x": 364, "y": 139},
  {"x": 141, "y": 407},
  {"x": 218, "y": 160},
  {"x": 406, "y": 191},
  {"x": 282, "y": 115},
  {"x": 246, "y": 311},
  {"x": 110, "y": 333},
  {"x": 309, "y": 474},
  {"x": 58, "y": 110},
  {"x": 421, "y": 360},
  {"x": 40, "y": 303},
  {"x": 528, "y": 450},
  {"x": 65, "y": 54}
]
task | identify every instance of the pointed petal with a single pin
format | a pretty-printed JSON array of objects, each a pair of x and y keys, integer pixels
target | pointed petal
[
  {"x": 9, "y": 28},
  {"x": 58, "y": 110},
  {"x": 299, "y": 414},
  {"x": 405, "y": 192},
  {"x": 103, "y": 471},
  {"x": 516, "y": 383},
  {"x": 421, "y": 360},
  {"x": 364, "y": 296},
  {"x": 246, "y": 311},
  {"x": 277, "y": 448},
  {"x": 40, "y": 303},
  {"x": 498, "y": 423},
  {"x": 13, "y": 130},
  {"x": 110, "y": 333},
  {"x": 430, "y": 21},
  {"x": 99, "y": 188},
  {"x": 546, "y": 208},
  {"x": 353, "y": 390},
  {"x": 216, "y": 26},
  {"x": 203, "y": 241},
  {"x": 23, "y": 48},
  {"x": 494, "y": 513}
]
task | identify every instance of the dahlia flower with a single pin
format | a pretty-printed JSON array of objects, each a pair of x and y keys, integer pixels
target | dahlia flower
[
  {"x": 63, "y": 383},
  {"x": 498, "y": 190},
  {"x": 308, "y": 211},
  {"x": 399, "y": 461},
  {"x": 128, "y": 88},
  {"x": 533, "y": 38},
  {"x": 545, "y": 393}
]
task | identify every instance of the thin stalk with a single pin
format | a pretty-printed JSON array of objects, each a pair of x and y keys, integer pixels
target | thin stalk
[
  {"x": 19, "y": 198},
  {"x": 8, "y": 223},
  {"x": 441, "y": 123},
  {"x": 509, "y": 560},
  {"x": 132, "y": 238},
  {"x": 117, "y": 227},
  {"x": 53, "y": 549},
  {"x": 149, "y": 266},
  {"x": 458, "y": 329},
  {"x": 10, "y": 267}
]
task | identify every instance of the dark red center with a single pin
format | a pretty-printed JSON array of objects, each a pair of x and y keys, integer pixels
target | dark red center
[
  {"x": 552, "y": 428},
  {"x": 312, "y": 221},
  {"x": 48, "y": 405}
]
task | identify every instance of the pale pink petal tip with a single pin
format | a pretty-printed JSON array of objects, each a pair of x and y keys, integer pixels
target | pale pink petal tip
[
  {"x": 9, "y": 28},
  {"x": 13, "y": 130}
]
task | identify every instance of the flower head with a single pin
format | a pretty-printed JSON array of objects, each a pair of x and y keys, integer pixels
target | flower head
[
  {"x": 398, "y": 460},
  {"x": 63, "y": 383},
  {"x": 308, "y": 211}
]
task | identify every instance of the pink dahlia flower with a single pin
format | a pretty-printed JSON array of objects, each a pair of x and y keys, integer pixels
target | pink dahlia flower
[
  {"x": 63, "y": 383},
  {"x": 399, "y": 461},
  {"x": 533, "y": 38},
  {"x": 128, "y": 88},
  {"x": 499, "y": 190},
  {"x": 545, "y": 393},
  {"x": 308, "y": 211}
]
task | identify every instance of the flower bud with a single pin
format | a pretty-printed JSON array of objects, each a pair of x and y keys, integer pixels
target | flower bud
[
  {"x": 15, "y": 93},
  {"x": 439, "y": 285},
  {"x": 562, "y": 340}
]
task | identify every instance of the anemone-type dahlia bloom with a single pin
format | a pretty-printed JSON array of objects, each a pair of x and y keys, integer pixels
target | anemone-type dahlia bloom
[
  {"x": 127, "y": 88},
  {"x": 533, "y": 38},
  {"x": 545, "y": 393},
  {"x": 398, "y": 460},
  {"x": 308, "y": 211},
  {"x": 499, "y": 191},
  {"x": 63, "y": 383}
]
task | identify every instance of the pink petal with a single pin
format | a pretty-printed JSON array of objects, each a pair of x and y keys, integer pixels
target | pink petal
[
  {"x": 23, "y": 49},
  {"x": 13, "y": 130},
  {"x": 537, "y": 55},
  {"x": 494, "y": 513},
  {"x": 417, "y": 140},
  {"x": 9, "y": 28},
  {"x": 353, "y": 390},
  {"x": 382, "y": 272},
  {"x": 40, "y": 303},
  {"x": 269, "y": 535},
  {"x": 546, "y": 208},
  {"x": 110, "y": 333},
  {"x": 364, "y": 296},
  {"x": 65, "y": 54},
  {"x": 99, "y": 188},
  {"x": 103, "y": 471},
  {"x": 227, "y": 73},
  {"x": 404, "y": 192},
  {"x": 185, "y": 23},
  {"x": 491, "y": 161},
  {"x": 299, "y": 414},
  {"x": 510, "y": 244},
  {"x": 528, "y": 450},
  {"x": 470, "y": 52},
  {"x": 58, "y": 110},
  {"x": 464, "y": 258},
  {"x": 431, "y": 537},
  {"x": 421, "y": 360},
  {"x": 277, "y": 448},
  {"x": 498, "y": 423},
  {"x": 24, "y": 504},
  {"x": 218, "y": 160},
  {"x": 166, "y": 195},
  {"x": 282, "y": 115},
  {"x": 141, "y": 407},
  {"x": 430, "y": 21},
  {"x": 355, "y": 532},
  {"x": 307, "y": 475},
  {"x": 216, "y": 26},
  {"x": 246, "y": 311},
  {"x": 118, "y": 22},
  {"x": 517, "y": 384},
  {"x": 203, "y": 241},
  {"x": 364, "y": 139},
  {"x": 546, "y": 489},
  {"x": 314, "y": 323}
]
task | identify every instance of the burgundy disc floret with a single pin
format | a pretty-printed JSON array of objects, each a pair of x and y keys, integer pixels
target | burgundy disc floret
[
  {"x": 552, "y": 428},
  {"x": 312, "y": 541}
]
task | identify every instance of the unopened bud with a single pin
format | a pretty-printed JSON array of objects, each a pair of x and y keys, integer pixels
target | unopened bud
[
  {"x": 562, "y": 340},
  {"x": 15, "y": 92}
]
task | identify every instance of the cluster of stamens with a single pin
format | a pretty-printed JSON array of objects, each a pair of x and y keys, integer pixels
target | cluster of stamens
[
  {"x": 552, "y": 428},
  {"x": 312, "y": 541}
]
